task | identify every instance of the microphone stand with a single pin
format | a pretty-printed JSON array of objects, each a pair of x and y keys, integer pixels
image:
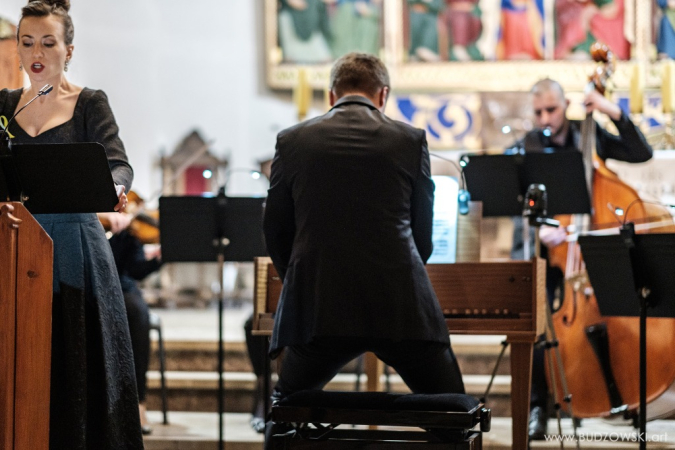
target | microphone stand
[
  {"x": 14, "y": 190},
  {"x": 46, "y": 89},
  {"x": 534, "y": 210},
  {"x": 463, "y": 195}
]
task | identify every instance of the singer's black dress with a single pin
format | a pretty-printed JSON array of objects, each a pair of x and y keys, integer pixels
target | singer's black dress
[{"x": 94, "y": 404}]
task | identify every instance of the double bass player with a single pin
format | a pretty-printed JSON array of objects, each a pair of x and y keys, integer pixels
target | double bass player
[{"x": 554, "y": 132}]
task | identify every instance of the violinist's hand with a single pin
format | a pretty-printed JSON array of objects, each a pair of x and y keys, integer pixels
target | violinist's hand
[
  {"x": 118, "y": 221},
  {"x": 121, "y": 197},
  {"x": 552, "y": 236},
  {"x": 152, "y": 251},
  {"x": 595, "y": 101}
]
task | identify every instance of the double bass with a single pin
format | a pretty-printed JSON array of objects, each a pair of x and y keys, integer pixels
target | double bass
[{"x": 600, "y": 354}]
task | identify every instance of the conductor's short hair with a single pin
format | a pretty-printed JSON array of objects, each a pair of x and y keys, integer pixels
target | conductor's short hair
[{"x": 358, "y": 73}]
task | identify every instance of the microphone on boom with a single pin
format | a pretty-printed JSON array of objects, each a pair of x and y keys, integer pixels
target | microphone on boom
[{"x": 46, "y": 89}]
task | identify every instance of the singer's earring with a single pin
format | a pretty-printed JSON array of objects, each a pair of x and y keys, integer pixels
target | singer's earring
[
  {"x": 65, "y": 67},
  {"x": 20, "y": 67}
]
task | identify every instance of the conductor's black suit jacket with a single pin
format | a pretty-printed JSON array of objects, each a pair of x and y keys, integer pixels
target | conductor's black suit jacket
[{"x": 348, "y": 226}]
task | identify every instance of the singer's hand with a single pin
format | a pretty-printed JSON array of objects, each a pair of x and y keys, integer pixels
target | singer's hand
[
  {"x": 552, "y": 236},
  {"x": 121, "y": 197}
]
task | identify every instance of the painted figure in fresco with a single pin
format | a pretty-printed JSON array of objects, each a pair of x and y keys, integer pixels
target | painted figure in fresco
[
  {"x": 356, "y": 27},
  {"x": 461, "y": 22},
  {"x": 580, "y": 23},
  {"x": 521, "y": 31},
  {"x": 304, "y": 31},
  {"x": 424, "y": 29},
  {"x": 665, "y": 43}
]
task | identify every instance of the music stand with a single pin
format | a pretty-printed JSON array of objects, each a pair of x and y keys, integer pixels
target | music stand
[
  {"x": 209, "y": 229},
  {"x": 500, "y": 181},
  {"x": 628, "y": 267},
  {"x": 494, "y": 180},
  {"x": 57, "y": 178}
]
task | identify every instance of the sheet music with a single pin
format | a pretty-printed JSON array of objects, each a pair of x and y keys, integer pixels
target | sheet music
[{"x": 444, "y": 234}]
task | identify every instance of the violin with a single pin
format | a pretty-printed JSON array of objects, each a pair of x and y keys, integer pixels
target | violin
[
  {"x": 144, "y": 223},
  {"x": 599, "y": 354}
]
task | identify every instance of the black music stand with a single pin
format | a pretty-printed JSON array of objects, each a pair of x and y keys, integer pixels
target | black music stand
[
  {"x": 632, "y": 276},
  {"x": 212, "y": 229},
  {"x": 57, "y": 178},
  {"x": 500, "y": 181}
]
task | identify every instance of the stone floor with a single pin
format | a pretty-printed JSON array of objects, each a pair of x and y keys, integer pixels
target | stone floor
[
  {"x": 197, "y": 431},
  {"x": 202, "y": 324}
]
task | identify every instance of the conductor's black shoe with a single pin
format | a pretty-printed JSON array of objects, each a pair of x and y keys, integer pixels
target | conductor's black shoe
[{"x": 538, "y": 423}]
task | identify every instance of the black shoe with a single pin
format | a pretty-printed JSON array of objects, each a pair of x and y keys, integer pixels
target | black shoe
[
  {"x": 274, "y": 435},
  {"x": 538, "y": 423},
  {"x": 146, "y": 430},
  {"x": 258, "y": 424}
]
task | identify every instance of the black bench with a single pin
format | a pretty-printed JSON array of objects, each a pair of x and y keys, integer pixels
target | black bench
[{"x": 311, "y": 419}]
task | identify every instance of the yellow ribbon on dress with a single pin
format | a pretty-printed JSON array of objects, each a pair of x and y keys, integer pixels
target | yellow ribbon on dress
[{"x": 3, "y": 125}]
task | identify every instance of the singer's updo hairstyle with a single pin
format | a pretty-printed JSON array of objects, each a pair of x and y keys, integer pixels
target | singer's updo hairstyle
[{"x": 44, "y": 8}]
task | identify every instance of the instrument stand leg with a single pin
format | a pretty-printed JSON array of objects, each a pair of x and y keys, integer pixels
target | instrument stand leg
[
  {"x": 643, "y": 368},
  {"x": 221, "y": 353},
  {"x": 505, "y": 344},
  {"x": 267, "y": 379}
]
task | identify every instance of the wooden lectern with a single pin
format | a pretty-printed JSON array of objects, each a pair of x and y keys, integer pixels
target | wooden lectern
[{"x": 26, "y": 255}]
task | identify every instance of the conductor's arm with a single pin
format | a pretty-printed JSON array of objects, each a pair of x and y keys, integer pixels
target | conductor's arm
[
  {"x": 279, "y": 219},
  {"x": 422, "y": 205}
]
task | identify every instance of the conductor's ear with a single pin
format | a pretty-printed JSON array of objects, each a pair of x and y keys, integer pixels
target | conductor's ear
[{"x": 382, "y": 98}]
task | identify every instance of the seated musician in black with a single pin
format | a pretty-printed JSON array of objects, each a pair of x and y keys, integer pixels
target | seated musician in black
[
  {"x": 348, "y": 225},
  {"x": 555, "y": 133},
  {"x": 133, "y": 265}
]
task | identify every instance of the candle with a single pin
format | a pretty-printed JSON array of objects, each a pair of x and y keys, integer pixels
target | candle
[
  {"x": 326, "y": 98},
  {"x": 637, "y": 86},
  {"x": 667, "y": 90},
  {"x": 302, "y": 94}
]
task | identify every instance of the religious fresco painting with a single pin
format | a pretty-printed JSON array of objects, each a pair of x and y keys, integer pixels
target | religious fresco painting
[
  {"x": 476, "y": 30},
  {"x": 443, "y": 30},
  {"x": 319, "y": 31},
  {"x": 664, "y": 25},
  {"x": 580, "y": 24}
]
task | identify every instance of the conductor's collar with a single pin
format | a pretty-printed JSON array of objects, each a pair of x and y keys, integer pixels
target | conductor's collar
[{"x": 360, "y": 99}]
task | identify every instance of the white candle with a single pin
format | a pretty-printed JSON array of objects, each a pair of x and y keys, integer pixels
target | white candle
[
  {"x": 637, "y": 86},
  {"x": 667, "y": 86},
  {"x": 302, "y": 93}
]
